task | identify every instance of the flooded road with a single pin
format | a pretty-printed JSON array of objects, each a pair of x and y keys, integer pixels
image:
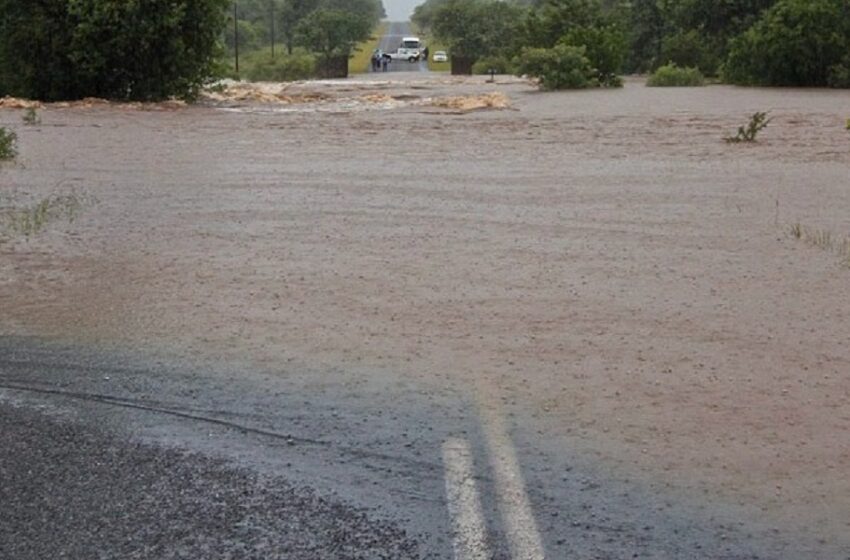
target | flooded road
[
  {"x": 391, "y": 41},
  {"x": 568, "y": 325}
]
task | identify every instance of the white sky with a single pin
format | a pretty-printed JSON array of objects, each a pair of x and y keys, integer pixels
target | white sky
[{"x": 400, "y": 10}]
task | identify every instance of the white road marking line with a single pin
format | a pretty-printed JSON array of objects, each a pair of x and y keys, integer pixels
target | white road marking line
[
  {"x": 521, "y": 527},
  {"x": 470, "y": 534}
]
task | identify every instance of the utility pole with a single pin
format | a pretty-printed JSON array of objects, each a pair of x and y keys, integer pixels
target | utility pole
[
  {"x": 236, "y": 34},
  {"x": 272, "y": 9}
]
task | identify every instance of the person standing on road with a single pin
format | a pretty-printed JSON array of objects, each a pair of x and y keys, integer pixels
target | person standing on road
[
  {"x": 377, "y": 55},
  {"x": 385, "y": 61},
  {"x": 425, "y": 54}
]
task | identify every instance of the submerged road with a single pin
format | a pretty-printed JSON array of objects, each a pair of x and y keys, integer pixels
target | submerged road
[{"x": 273, "y": 335}]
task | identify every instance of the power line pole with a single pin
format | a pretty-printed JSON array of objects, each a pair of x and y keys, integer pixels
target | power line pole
[
  {"x": 236, "y": 34},
  {"x": 272, "y": 8}
]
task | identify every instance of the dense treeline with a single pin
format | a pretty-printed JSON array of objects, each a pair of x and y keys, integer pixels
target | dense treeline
[
  {"x": 317, "y": 36},
  {"x": 156, "y": 49},
  {"x": 144, "y": 49},
  {"x": 260, "y": 22},
  {"x": 589, "y": 42}
]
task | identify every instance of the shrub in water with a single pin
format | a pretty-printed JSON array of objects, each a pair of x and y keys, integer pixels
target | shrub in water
[
  {"x": 671, "y": 75},
  {"x": 561, "y": 67},
  {"x": 31, "y": 117},
  {"x": 748, "y": 133},
  {"x": 8, "y": 144}
]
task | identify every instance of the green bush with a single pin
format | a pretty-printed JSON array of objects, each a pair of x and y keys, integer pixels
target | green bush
[
  {"x": 692, "y": 49},
  {"x": 839, "y": 75},
  {"x": 287, "y": 68},
  {"x": 59, "y": 49},
  {"x": 795, "y": 43},
  {"x": 561, "y": 67},
  {"x": 8, "y": 144},
  {"x": 501, "y": 64},
  {"x": 671, "y": 75},
  {"x": 605, "y": 48}
]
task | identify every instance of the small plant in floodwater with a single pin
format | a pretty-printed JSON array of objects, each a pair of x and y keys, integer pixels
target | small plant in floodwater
[
  {"x": 748, "y": 133},
  {"x": 823, "y": 239},
  {"x": 31, "y": 117},
  {"x": 31, "y": 220},
  {"x": 8, "y": 144}
]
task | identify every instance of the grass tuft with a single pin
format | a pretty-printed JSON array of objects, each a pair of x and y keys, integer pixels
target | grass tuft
[
  {"x": 31, "y": 220},
  {"x": 823, "y": 239}
]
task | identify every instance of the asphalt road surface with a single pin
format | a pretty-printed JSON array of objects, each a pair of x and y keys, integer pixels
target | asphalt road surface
[
  {"x": 391, "y": 41},
  {"x": 110, "y": 455}
]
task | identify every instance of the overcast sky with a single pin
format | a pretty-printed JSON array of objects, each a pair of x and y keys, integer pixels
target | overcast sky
[{"x": 400, "y": 10}]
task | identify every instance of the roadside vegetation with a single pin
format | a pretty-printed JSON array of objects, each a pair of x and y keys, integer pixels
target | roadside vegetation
[
  {"x": 281, "y": 40},
  {"x": 56, "y": 51},
  {"x": 161, "y": 49},
  {"x": 70, "y": 50},
  {"x": 361, "y": 59},
  {"x": 757, "y": 42},
  {"x": 671, "y": 75}
]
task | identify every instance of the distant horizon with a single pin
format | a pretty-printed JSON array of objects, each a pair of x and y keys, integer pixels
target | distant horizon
[{"x": 400, "y": 10}]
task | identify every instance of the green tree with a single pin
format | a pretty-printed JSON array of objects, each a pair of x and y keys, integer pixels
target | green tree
[
  {"x": 67, "y": 49},
  {"x": 795, "y": 43},
  {"x": 551, "y": 20},
  {"x": 561, "y": 67},
  {"x": 605, "y": 48},
  {"x": 475, "y": 29},
  {"x": 331, "y": 33},
  {"x": 646, "y": 28}
]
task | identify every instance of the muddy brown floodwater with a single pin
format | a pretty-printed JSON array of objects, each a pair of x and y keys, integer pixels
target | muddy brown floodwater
[{"x": 600, "y": 262}]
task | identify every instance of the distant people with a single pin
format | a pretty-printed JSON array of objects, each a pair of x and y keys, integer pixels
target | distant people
[
  {"x": 425, "y": 52},
  {"x": 376, "y": 60},
  {"x": 385, "y": 62}
]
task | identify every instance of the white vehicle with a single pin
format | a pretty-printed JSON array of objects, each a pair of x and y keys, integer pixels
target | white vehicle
[
  {"x": 409, "y": 50},
  {"x": 440, "y": 56}
]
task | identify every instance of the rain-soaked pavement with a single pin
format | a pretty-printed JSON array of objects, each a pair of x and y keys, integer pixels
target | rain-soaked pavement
[{"x": 426, "y": 317}]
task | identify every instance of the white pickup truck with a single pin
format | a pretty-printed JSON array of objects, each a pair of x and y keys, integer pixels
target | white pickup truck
[{"x": 409, "y": 50}]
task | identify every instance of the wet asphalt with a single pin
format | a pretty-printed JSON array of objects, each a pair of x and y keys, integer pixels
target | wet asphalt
[{"x": 110, "y": 455}]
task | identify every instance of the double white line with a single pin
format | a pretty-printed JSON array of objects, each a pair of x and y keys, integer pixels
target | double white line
[{"x": 464, "y": 500}]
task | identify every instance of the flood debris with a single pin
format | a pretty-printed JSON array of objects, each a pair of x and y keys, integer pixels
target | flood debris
[
  {"x": 467, "y": 103},
  {"x": 91, "y": 102},
  {"x": 18, "y": 103},
  {"x": 260, "y": 92}
]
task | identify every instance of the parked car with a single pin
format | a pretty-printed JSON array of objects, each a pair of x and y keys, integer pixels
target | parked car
[{"x": 440, "y": 56}]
